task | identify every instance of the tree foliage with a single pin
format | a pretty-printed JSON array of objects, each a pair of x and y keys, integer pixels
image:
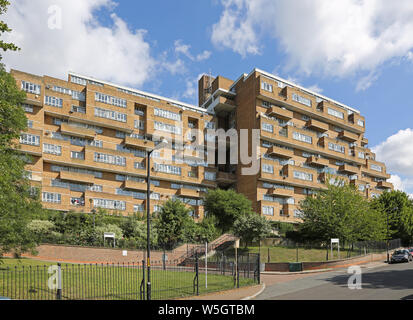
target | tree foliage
[
  {"x": 5, "y": 28},
  {"x": 226, "y": 206},
  {"x": 252, "y": 227},
  {"x": 340, "y": 212},
  {"x": 398, "y": 208},
  {"x": 172, "y": 222}
]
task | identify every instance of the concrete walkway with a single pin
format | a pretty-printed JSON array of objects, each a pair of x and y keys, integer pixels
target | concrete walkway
[{"x": 245, "y": 293}]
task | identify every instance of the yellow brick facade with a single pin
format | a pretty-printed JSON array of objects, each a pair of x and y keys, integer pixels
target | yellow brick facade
[{"x": 88, "y": 141}]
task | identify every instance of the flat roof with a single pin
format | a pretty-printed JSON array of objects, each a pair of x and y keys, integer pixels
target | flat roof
[{"x": 183, "y": 104}]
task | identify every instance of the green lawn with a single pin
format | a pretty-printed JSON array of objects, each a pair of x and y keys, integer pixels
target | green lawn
[
  {"x": 28, "y": 279},
  {"x": 289, "y": 254}
]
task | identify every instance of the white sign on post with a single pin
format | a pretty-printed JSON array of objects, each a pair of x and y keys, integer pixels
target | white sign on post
[{"x": 335, "y": 240}]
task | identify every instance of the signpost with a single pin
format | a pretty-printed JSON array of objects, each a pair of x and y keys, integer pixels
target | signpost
[
  {"x": 109, "y": 235},
  {"x": 335, "y": 240}
]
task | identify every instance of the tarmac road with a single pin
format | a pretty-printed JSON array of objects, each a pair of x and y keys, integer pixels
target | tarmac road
[{"x": 383, "y": 282}]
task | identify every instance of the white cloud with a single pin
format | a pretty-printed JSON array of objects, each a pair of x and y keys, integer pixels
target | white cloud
[
  {"x": 191, "y": 91},
  {"x": 114, "y": 53},
  {"x": 235, "y": 29},
  {"x": 397, "y": 153},
  {"x": 333, "y": 38},
  {"x": 402, "y": 184},
  {"x": 184, "y": 49}
]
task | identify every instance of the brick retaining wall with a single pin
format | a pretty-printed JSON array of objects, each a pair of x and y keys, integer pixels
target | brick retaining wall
[
  {"x": 77, "y": 254},
  {"x": 284, "y": 266}
]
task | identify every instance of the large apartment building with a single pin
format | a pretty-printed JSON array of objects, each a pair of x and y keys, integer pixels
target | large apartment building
[{"x": 89, "y": 140}]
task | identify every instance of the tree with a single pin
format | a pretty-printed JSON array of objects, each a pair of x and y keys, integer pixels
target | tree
[
  {"x": 252, "y": 227},
  {"x": 172, "y": 221},
  {"x": 226, "y": 206},
  {"x": 340, "y": 212},
  {"x": 5, "y": 28},
  {"x": 398, "y": 208}
]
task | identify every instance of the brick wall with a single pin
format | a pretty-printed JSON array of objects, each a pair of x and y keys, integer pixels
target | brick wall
[
  {"x": 75, "y": 254},
  {"x": 284, "y": 266}
]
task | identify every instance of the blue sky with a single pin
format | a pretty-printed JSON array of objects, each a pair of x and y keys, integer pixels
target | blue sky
[{"x": 357, "y": 52}]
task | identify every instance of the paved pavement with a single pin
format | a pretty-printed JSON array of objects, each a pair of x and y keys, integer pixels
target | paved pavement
[{"x": 379, "y": 282}]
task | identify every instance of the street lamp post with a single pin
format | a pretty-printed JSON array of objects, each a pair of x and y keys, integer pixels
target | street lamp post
[{"x": 160, "y": 145}]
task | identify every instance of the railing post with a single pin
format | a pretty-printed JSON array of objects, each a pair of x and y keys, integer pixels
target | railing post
[
  {"x": 196, "y": 280},
  {"x": 59, "y": 282},
  {"x": 142, "y": 287},
  {"x": 259, "y": 269}
]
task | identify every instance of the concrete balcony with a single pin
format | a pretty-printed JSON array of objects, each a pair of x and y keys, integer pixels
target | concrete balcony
[
  {"x": 281, "y": 152},
  {"x": 317, "y": 125},
  {"x": 139, "y": 143},
  {"x": 190, "y": 193},
  {"x": 77, "y": 177},
  {"x": 348, "y": 136},
  {"x": 316, "y": 161},
  {"x": 349, "y": 169},
  {"x": 77, "y": 131},
  {"x": 135, "y": 185},
  {"x": 385, "y": 185},
  {"x": 222, "y": 104},
  {"x": 278, "y": 112},
  {"x": 281, "y": 192}
]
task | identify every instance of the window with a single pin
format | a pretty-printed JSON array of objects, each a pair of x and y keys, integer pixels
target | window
[
  {"x": 76, "y": 141},
  {"x": 51, "y": 197},
  {"x": 95, "y": 188},
  {"x": 110, "y": 159},
  {"x": 335, "y": 113},
  {"x": 209, "y": 125},
  {"x": 96, "y": 174},
  {"x": 52, "y": 149},
  {"x": 120, "y": 134},
  {"x": 267, "y": 127},
  {"x": 166, "y": 168},
  {"x": 266, "y": 86},
  {"x": 77, "y": 201},
  {"x": 109, "y": 204},
  {"x": 167, "y": 114},
  {"x": 362, "y": 187},
  {"x": 77, "y": 95},
  {"x": 361, "y": 155},
  {"x": 30, "y": 139},
  {"x": 53, "y": 101},
  {"x": 167, "y": 127},
  {"x": 301, "y": 99},
  {"x": 268, "y": 211},
  {"x": 297, "y": 213},
  {"x": 303, "y": 175},
  {"x": 30, "y": 87},
  {"x": 27, "y": 107},
  {"x": 266, "y": 104},
  {"x": 138, "y": 208},
  {"x": 360, "y": 123},
  {"x": 78, "y": 80},
  {"x": 140, "y": 111},
  {"x": 30, "y": 123},
  {"x": 211, "y": 176},
  {"x": 78, "y": 109},
  {"x": 267, "y": 168},
  {"x": 302, "y": 137},
  {"x": 139, "y": 124},
  {"x": 100, "y": 97},
  {"x": 109, "y": 114},
  {"x": 62, "y": 90},
  {"x": 376, "y": 167},
  {"x": 77, "y": 155},
  {"x": 140, "y": 165},
  {"x": 336, "y": 147}
]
